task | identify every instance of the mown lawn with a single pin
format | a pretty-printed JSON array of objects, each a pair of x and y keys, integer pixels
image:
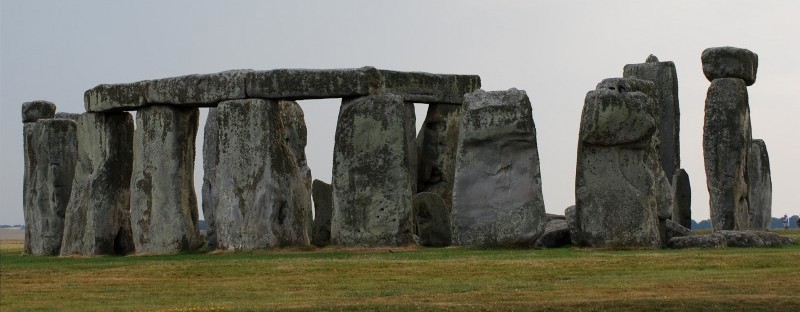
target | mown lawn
[{"x": 455, "y": 279}]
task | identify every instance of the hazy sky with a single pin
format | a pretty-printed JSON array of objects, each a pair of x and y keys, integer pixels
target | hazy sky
[{"x": 555, "y": 50}]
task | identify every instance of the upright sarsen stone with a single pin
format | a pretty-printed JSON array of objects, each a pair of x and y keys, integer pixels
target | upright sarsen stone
[
  {"x": 210, "y": 160},
  {"x": 726, "y": 146},
  {"x": 163, "y": 202},
  {"x": 437, "y": 144},
  {"x": 497, "y": 195},
  {"x": 373, "y": 177},
  {"x": 264, "y": 196},
  {"x": 98, "y": 214},
  {"x": 760, "y": 187}
]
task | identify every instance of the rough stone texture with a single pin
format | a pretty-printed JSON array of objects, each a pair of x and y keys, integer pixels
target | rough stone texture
[
  {"x": 556, "y": 234},
  {"x": 760, "y": 200},
  {"x": 620, "y": 192},
  {"x": 51, "y": 149},
  {"x": 373, "y": 181},
  {"x": 697, "y": 241},
  {"x": 98, "y": 214},
  {"x": 437, "y": 144},
  {"x": 35, "y": 110},
  {"x": 676, "y": 230},
  {"x": 726, "y": 145},
  {"x": 665, "y": 78},
  {"x": 323, "y": 210},
  {"x": 682, "y": 195},
  {"x": 572, "y": 223},
  {"x": 264, "y": 196},
  {"x": 730, "y": 62},
  {"x": 116, "y": 97},
  {"x": 71, "y": 116},
  {"x": 163, "y": 201},
  {"x": 551, "y": 217},
  {"x": 298, "y": 84},
  {"x": 497, "y": 194},
  {"x": 431, "y": 220},
  {"x": 210, "y": 191},
  {"x": 198, "y": 90},
  {"x": 724, "y": 238},
  {"x": 421, "y": 87}
]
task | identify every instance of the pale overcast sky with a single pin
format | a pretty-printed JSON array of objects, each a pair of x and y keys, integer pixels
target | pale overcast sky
[{"x": 555, "y": 50}]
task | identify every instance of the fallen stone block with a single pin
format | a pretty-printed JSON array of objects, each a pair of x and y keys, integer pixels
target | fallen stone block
[{"x": 556, "y": 234}]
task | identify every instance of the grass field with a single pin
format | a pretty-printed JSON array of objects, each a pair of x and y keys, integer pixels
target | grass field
[{"x": 454, "y": 279}]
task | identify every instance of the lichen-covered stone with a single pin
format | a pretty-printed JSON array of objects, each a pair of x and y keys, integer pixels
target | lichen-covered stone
[
  {"x": 431, "y": 220},
  {"x": 421, "y": 87},
  {"x": 556, "y": 234},
  {"x": 116, "y": 97},
  {"x": 298, "y": 84},
  {"x": 682, "y": 195},
  {"x": 35, "y": 110},
  {"x": 760, "y": 200},
  {"x": 497, "y": 194},
  {"x": 323, "y": 210},
  {"x": 665, "y": 78},
  {"x": 437, "y": 144},
  {"x": 50, "y": 153},
  {"x": 730, "y": 62},
  {"x": 163, "y": 201},
  {"x": 676, "y": 230},
  {"x": 98, "y": 214},
  {"x": 71, "y": 116},
  {"x": 198, "y": 89},
  {"x": 726, "y": 145},
  {"x": 210, "y": 192},
  {"x": 373, "y": 177}
]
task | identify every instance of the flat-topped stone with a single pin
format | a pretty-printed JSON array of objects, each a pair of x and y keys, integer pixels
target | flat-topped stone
[
  {"x": 35, "y": 110},
  {"x": 206, "y": 90},
  {"x": 730, "y": 62}
]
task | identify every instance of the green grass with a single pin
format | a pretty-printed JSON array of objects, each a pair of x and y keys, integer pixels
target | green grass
[{"x": 763, "y": 279}]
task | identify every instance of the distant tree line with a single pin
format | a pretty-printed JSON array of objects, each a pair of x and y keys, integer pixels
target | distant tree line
[{"x": 776, "y": 223}]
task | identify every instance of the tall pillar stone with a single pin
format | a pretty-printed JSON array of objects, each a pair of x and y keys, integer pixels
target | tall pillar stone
[
  {"x": 163, "y": 201},
  {"x": 323, "y": 209},
  {"x": 497, "y": 193},
  {"x": 373, "y": 177},
  {"x": 437, "y": 144},
  {"x": 31, "y": 112},
  {"x": 620, "y": 195},
  {"x": 760, "y": 187},
  {"x": 210, "y": 160},
  {"x": 98, "y": 214},
  {"x": 665, "y": 78},
  {"x": 682, "y": 193},
  {"x": 264, "y": 196}
]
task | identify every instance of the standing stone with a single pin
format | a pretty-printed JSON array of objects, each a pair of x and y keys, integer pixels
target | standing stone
[
  {"x": 760, "y": 187},
  {"x": 210, "y": 160},
  {"x": 682, "y": 193},
  {"x": 619, "y": 191},
  {"x": 98, "y": 214},
  {"x": 431, "y": 220},
  {"x": 163, "y": 201},
  {"x": 51, "y": 149},
  {"x": 437, "y": 144},
  {"x": 665, "y": 77},
  {"x": 373, "y": 181},
  {"x": 497, "y": 194},
  {"x": 31, "y": 112},
  {"x": 323, "y": 209},
  {"x": 264, "y": 193},
  {"x": 35, "y": 110},
  {"x": 726, "y": 146},
  {"x": 730, "y": 62},
  {"x": 71, "y": 116}
]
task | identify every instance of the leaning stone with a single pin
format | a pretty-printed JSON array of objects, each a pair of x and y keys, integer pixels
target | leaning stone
[
  {"x": 210, "y": 192},
  {"x": 730, "y": 62},
  {"x": 373, "y": 182},
  {"x": 665, "y": 78},
  {"x": 35, "y": 110},
  {"x": 697, "y": 241},
  {"x": 163, "y": 202},
  {"x": 98, "y": 214},
  {"x": 198, "y": 90},
  {"x": 71, "y": 116},
  {"x": 760, "y": 200},
  {"x": 682, "y": 194},
  {"x": 676, "y": 230},
  {"x": 52, "y": 150},
  {"x": 431, "y": 220},
  {"x": 437, "y": 144},
  {"x": 556, "y": 234},
  {"x": 421, "y": 87},
  {"x": 299, "y": 84},
  {"x": 323, "y": 209},
  {"x": 497, "y": 195},
  {"x": 726, "y": 146},
  {"x": 264, "y": 198}
]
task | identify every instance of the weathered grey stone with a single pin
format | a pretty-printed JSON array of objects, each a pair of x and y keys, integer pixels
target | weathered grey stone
[
  {"x": 323, "y": 210},
  {"x": 697, "y": 241},
  {"x": 760, "y": 199},
  {"x": 373, "y": 181},
  {"x": 682, "y": 195},
  {"x": 665, "y": 78},
  {"x": 298, "y": 84},
  {"x": 210, "y": 192},
  {"x": 754, "y": 239},
  {"x": 163, "y": 202},
  {"x": 71, "y": 116},
  {"x": 264, "y": 198},
  {"x": 98, "y": 214},
  {"x": 431, "y": 220},
  {"x": 51, "y": 149},
  {"x": 198, "y": 90},
  {"x": 35, "y": 110},
  {"x": 116, "y": 97},
  {"x": 549, "y": 217},
  {"x": 726, "y": 146},
  {"x": 497, "y": 194},
  {"x": 556, "y": 234},
  {"x": 421, "y": 87},
  {"x": 730, "y": 62},
  {"x": 296, "y": 137},
  {"x": 676, "y": 230},
  {"x": 619, "y": 189},
  {"x": 572, "y": 223},
  {"x": 437, "y": 144}
]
